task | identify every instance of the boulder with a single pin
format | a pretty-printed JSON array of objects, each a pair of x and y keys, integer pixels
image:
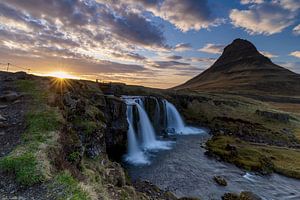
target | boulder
[
  {"x": 245, "y": 195},
  {"x": 230, "y": 196},
  {"x": 9, "y": 96},
  {"x": 220, "y": 180},
  {"x": 2, "y": 118}
]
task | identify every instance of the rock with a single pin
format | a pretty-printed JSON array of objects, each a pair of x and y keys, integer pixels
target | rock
[
  {"x": 10, "y": 96},
  {"x": 3, "y": 125},
  {"x": 274, "y": 115},
  {"x": 3, "y": 106},
  {"x": 245, "y": 195},
  {"x": 2, "y": 118},
  {"x": 2, "y": 133},
  {"x": 230, "y": 196},
  {"x": 170, "y": 131},
  {"x": 220, "y": 180}
]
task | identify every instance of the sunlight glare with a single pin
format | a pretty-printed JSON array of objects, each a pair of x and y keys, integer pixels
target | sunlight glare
[{"x": 62, "y": 75}]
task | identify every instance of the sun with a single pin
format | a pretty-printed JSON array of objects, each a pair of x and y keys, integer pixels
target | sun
[{"x": 62, "y": 75}]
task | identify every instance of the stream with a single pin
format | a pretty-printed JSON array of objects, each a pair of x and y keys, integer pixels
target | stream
[{"x": 186, "y": 171}]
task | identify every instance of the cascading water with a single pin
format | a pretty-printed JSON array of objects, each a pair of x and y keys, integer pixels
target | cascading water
[
  {"x": 147, "y": 131},
  {"x": 135, "y": 154},
  {"x": 174, "y": 122},
  {"x": 174, "y": 119}
]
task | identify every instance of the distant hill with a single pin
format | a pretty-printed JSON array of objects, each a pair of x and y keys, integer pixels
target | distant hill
[{"x": 242, "y": 69}]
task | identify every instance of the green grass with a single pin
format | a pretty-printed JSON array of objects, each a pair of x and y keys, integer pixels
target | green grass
[
  {"x": 72, "y": 190},
  {"x": 23, "y": 166},
  {"x": 41, "y": 121},
  {"x": 257, "y": 157},
  {"x": 86, "y": 125}
]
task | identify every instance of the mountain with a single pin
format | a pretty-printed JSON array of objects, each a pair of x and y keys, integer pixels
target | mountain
[{"x": 242, "y": 69}]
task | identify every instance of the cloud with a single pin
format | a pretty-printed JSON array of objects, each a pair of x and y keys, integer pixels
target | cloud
[
  {"x": 295, "y": 54},
  {"x": 174, "y": 57},
  {"x": 168, "y": 64},
  {"x": 296, "y": 30},
  {"x": 183, "y": 47},
  {"x": 187, "y": 15},
  {"x": 293, "y": 66},
  {"x": 245, "y": 2},
  {"x": 266, "y": 18},
  {"x": 207, "y": 60},
  {"x": 268, "y": 54},
  {"x": 212, "y": 48}
]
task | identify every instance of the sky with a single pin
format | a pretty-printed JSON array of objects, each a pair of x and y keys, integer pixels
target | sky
[{"x": 155, "y": 43}]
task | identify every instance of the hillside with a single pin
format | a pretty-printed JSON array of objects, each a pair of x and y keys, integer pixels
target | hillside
[{"x": 242, "y": 69}]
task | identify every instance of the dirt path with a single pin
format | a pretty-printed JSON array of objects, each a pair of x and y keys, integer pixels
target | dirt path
[{"x": 12, "y": 109}]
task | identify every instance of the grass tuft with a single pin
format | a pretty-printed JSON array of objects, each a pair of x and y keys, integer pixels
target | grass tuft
[
  {"x": 71, "y": 186},
  {"x": 24, "y": 168}
]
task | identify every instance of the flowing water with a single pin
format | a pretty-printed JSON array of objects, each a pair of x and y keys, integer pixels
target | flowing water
[{"x": 186, "y": 170}]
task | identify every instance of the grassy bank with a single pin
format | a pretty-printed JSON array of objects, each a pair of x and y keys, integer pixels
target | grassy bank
[
  {"x": 42, "y": 128},
  {"x": 257, "y": 157}
]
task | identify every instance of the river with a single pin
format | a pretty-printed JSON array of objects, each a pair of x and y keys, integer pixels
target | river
[{"x": 186, "y": 171}]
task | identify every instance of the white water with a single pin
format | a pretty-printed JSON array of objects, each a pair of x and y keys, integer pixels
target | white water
[
  {"x": 137, "y": 153},
  {"x": 174, "y": 121},
  {"x": 134, "y": 154},
  {"x": 147, "y": 131}
]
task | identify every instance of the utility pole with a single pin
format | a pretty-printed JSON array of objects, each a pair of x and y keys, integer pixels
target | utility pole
[{"x": 7, "y": 66}]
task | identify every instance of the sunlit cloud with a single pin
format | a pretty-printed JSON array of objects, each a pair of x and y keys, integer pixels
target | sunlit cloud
[
  {"x": 268, "y": 54},
  {"x": 268, "y": 17},
  {"x": 295, "y": 54},
  {"x": 212, "y": 48}
]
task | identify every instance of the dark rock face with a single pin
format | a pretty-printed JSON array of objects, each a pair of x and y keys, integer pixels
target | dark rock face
[
  {"x": 117, "y": 126},
  {"x": 98, "y": 124}
]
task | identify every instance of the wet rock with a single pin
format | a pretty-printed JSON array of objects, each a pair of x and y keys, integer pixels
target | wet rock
[
  {"x": 2, "y": 133},
  {"x": 245, "y": 195},
  {"x": 3, "y": 125},
  {"x": 9, "y": 96},
  {"x": 2, "y": 118},
  {"x": 230, "y": 196},
  {"x": 274, "y": 115},
  {"x": 249, "y": 196},
  {"x": 3, "y": 106},
  {"x": 220, "y": 180}
]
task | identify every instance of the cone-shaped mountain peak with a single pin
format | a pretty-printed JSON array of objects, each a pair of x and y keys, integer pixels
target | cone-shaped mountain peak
[
  {"x": 242, "y": 68},
  {"x": 240, "y": 50}
]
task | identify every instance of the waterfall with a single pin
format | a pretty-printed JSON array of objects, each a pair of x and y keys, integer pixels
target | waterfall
[
  {"x": 134, "y": 154},
  {"x": 174, "y": 119},
  {"x": 141, "y": 134},
  {"x": 175, "y": 123}
]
